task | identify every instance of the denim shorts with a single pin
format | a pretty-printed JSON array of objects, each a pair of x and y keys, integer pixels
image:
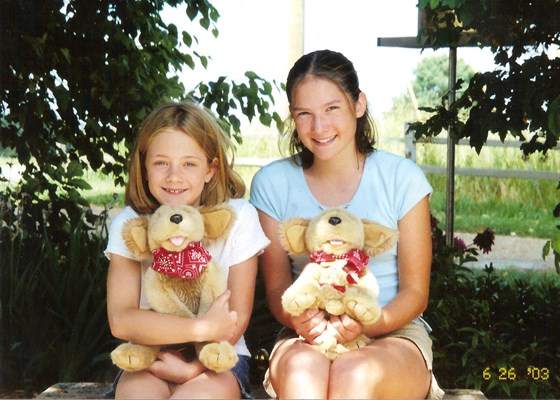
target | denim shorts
[{"x": 240, "y": 371}]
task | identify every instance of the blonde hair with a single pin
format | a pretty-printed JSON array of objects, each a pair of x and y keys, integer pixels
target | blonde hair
[{"x": 200, "y": 125}]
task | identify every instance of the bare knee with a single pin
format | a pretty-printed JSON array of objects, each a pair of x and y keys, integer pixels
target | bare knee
[
  {"x": 299, "y": 371},
  {"x": 354, "y": 378},
  {"x": 209, "y": 385},
  {"x": 141, "y": 384},
  {"x": 299, "y": 358}
]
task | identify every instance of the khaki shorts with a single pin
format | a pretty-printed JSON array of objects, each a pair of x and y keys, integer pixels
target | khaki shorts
[{"x": 414, "y": 331}]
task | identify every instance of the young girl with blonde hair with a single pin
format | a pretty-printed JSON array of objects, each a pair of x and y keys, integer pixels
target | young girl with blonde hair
[{"x": 180, "y": 157}]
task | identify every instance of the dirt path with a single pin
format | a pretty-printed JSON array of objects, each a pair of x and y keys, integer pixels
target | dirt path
[{"x": 513, "y": 251}]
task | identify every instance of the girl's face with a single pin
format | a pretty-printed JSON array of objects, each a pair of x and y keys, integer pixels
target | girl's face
[
  {"x": 325, "y": 117},
  {"x": 177, "y": 168}
]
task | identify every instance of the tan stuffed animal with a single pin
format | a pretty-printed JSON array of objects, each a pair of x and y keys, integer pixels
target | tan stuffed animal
[
  {"x": 183, "y": 279},
  {"x": 337, "y": 279}
]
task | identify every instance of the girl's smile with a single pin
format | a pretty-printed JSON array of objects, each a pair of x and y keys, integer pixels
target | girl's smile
[
  {"x": 325, "y": 117},
  {"x": 177, "y": 168}
]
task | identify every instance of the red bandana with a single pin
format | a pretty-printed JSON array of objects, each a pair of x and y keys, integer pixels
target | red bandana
[
  {"x": 356, "y": 262},
  {"x": 186, "y": 264}
]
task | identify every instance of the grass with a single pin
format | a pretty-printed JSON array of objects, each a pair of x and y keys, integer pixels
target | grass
[{"x": 519, "y": 207}]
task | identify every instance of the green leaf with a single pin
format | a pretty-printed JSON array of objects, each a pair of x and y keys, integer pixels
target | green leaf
[
  {"x": 555, "y": 243},
  {"x": 74, "y": 169},
  {"x": 546, "y": 249},
  {"x": 187, "y": 39},
  {"x": 205, "y": 23},
  {"x": 251, "y": 75},
  {"x": 265, "y": 119},
  {"x": 553, "y": 117}
]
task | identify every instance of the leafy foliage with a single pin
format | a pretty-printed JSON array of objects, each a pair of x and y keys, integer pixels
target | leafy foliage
[
  {"x": 520, "y": 98},
  {"x": 429, "y": 86},
  {"x": 431, "y": 80},
  {"x": 493, "y": 331},
  {"x": 79, "y": 76},
  {"x": 53, "y": 321}
]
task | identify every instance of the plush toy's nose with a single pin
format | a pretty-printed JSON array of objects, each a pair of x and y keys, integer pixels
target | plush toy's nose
[
  {"x": 334, "y": 220},
  {"x": 176, "y": 218}
]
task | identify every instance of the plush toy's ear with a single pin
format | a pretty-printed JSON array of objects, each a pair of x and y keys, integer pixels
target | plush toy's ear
[
  {"x": 378, "y": 238},
  {"x": 292, "y": 235},
  {"x": 217, "y": 220},
  {"x": 135, "y": 235}
]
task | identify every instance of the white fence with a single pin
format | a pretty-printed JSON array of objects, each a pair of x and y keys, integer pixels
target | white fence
[{"x": 410, "y": 152}]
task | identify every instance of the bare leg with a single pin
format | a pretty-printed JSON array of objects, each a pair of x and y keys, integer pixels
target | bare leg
[
  {"x": 209, "y": 385},
  {"x": 141, "y": 385},
  {"x": 299, "y": 371},
  {"x": 388, "y": 368}
]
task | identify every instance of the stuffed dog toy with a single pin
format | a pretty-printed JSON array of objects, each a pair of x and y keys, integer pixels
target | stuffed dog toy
[
  {"x": 337, "y": 279},
  {"x": 183, "y": 280}
]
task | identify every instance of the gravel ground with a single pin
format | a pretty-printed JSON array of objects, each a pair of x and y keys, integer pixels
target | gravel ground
[{"x": 514, "y": 251}]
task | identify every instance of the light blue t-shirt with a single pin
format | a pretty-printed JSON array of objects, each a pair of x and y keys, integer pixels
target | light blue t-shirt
[{"x": 390, "y": 186}]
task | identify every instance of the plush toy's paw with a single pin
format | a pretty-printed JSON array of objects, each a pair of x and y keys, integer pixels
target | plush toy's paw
[
  {"x": 326, "y": 341},
  {"x": 218, "y": 357},
  {"x": 134, "y": 357},
  {"x": 334, "y": 307},
  {"x": 360, "y": 341},
  {"x": 364, "y": 312},
  {"x": 298, "y": 303}
]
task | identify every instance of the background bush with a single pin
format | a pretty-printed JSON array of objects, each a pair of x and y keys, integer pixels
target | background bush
[
  {"x": 496, "y": 331},
  {"x": 53, "y": 315}
]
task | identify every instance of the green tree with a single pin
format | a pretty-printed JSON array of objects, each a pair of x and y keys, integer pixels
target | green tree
[
  {"x": 78, "y": 76},
  {"x": 520, "y": 98},
  {"x": 430, "y": 84},
  {"x": 76, "y": 79},
  {"x": 431, "y": 79}
]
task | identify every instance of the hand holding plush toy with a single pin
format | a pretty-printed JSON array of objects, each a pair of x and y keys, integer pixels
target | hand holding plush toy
[
  {"x": 337, "y": 279},
  {"x": 183, "y": 279}
]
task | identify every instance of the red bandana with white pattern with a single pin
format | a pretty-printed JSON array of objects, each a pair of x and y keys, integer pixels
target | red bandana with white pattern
[
  {"x": 186, "y": 264},
  {"x": 356, "y": 262}
]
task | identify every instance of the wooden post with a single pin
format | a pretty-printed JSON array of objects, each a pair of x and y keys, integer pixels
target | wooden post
[
  {"x": 296, "y": 22},
  {"x": 450, "y": 177}
]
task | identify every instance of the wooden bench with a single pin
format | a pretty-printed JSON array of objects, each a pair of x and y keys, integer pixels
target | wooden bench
[{"x": 95, "y": 390}]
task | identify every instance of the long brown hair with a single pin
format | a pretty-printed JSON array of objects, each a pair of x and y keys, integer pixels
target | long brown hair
[
  {"x": 336, "y": 68},
  {"x": 199, "y": 124}
]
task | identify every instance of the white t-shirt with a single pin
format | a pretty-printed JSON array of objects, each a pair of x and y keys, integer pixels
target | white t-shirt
[
  {"x": 390, "y": 186},
  {"x": 245, "y": 240}
]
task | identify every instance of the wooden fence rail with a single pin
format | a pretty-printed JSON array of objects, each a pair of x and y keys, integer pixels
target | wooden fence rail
[{"x": 410, "y": 152}]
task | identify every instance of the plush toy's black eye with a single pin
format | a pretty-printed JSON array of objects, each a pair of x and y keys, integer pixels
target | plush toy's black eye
[
  {"x": 334, "y": 220},
  {"x": 176, "y": 218}
]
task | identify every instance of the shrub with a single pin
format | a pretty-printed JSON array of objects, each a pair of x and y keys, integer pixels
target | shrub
[
  {"x": 496, "y": 331},
  {"x": 52, "y": 301}
]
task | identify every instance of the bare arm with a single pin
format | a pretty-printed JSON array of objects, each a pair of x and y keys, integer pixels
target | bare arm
[
  {"x": 128, "y": 322},
  {"x": 277, "y": 275},
  {"x": 275, "y": 268},
  {"x": 414, "y": 263},
  {"x": 241, "y": 283}
]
